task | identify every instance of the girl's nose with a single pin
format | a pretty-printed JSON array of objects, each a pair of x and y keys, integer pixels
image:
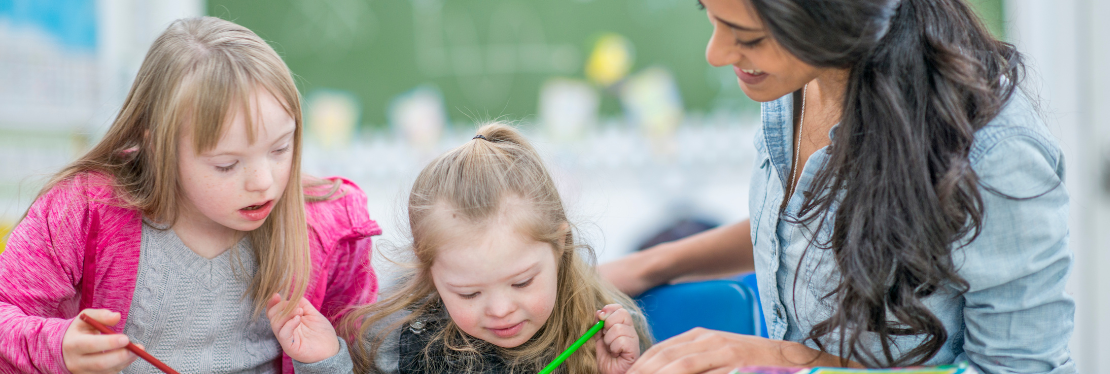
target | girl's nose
[
  {"x": 259, "y": 179},
  {"x": 500, "y": 307}
]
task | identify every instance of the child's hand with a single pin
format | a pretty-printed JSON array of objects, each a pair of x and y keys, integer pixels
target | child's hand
[
  {"x": 86, "y": 350},
  {"x": 305, "y": 335},
  {"x": 619, "y": 345}
]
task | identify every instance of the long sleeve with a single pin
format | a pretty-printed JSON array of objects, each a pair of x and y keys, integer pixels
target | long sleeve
[
  {"x": 340, "y": 233},
  {"x": 351, "y": 278},
  {"x": 39, "y": 272},
  {"x": 340, "y": 363},
  {"x": 1018, "y": 317}
]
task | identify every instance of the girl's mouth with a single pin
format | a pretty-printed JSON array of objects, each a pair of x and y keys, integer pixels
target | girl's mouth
[
  {"x": 257, "y": 212},
  {"x": 508, "y": 332}
]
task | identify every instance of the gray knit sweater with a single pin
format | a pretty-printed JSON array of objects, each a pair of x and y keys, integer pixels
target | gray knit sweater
[{"x": 191, "y": 313}]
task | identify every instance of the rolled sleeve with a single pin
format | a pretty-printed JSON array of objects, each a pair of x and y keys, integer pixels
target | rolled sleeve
[{"x": 1017, "y": 315}]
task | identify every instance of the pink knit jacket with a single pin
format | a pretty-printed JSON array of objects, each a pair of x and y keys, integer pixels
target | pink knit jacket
[{"x": 44, "y": 272}]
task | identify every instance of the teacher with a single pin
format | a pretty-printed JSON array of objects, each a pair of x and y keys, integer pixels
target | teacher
[{"x": 907, "y": 202}]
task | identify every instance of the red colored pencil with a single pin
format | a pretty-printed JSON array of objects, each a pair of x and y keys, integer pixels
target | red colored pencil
[{"x": 131, "y": 346}]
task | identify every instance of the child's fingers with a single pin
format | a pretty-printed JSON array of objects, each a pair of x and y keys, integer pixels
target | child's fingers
[
  {"x": 274, "y": 300},
  {"x": 303, "y": 303},
  {"x": 602, "y": 349},
  {"x": 617, "y": 317},
  {"x": 608, "y": 310},
  {"x": 84, "y": 354},
  {"x": 616, "y": 331},
  {"x": 286, "y": 333},
  {"x": 277, "y": 320},
  {"x": 625, "y": 346},
  {"x": 274, "y": 306},
  {"x": 104, "y": 316},
  {"x": 111, "y": 361},
  {"x": 614, "y": 313},
  {"x": 84, "y": 344}
]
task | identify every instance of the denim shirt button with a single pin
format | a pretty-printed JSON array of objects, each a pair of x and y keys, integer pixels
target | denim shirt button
[{"x": 778, "y": 311}]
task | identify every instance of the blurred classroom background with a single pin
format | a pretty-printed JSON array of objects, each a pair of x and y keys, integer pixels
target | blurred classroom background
[{"x": 645, "y": 138}]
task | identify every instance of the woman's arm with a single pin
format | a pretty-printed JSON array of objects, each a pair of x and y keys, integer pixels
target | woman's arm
[
  {"x": 717, "y": 352},
  {"x": 1017, "y": 314},
  {"x": 717, "y": 252}
]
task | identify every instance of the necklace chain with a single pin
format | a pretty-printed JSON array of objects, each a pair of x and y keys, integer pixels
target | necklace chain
[{"x": 798, "y": 147}]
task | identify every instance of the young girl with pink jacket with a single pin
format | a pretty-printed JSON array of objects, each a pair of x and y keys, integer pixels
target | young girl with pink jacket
[{"x": 179, "y": 226}]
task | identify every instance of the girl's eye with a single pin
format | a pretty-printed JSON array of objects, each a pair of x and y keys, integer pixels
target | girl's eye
[
  {"x": 227, "y": 168},
  {"x": 469, "y": 296},
  {"x": 751, "y": 44},
  {"x": 282, "y": 150},
  {"x": 524, "y": 283}
]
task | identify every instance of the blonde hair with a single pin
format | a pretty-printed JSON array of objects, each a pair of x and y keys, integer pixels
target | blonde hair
[
  {"x": 474, "y": 180},
  {"x": 197, "y": 72}
]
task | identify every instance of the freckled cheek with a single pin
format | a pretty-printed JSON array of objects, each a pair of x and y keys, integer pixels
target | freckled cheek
[
  {"x": 209, "y": 192},
  {"x": 281, "y": 177}
]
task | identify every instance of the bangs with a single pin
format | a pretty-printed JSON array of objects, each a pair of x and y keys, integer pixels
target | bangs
[{"x": 209, "y": 105}]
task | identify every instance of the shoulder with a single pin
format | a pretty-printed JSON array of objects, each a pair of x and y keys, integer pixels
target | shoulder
[
  {"x": 343, "y": 214},
  {"x": 64, "y": 214},
  {"x": 82, "y": 191},
  {"x": 1016, "y": 132},
  {"x": 83, "y": 187}
]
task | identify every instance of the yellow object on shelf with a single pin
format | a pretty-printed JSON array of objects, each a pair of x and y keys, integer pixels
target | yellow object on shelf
[{"x": 5, "y": 228}]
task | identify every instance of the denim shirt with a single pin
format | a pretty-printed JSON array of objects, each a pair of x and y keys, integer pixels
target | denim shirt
[{"x": 1015, "y": 317}]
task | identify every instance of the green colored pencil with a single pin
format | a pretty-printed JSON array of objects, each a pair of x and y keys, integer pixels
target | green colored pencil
[{"x": 573, "y": 347}]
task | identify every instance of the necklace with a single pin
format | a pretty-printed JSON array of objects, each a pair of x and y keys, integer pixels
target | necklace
[{"x": 798, "y": 147}]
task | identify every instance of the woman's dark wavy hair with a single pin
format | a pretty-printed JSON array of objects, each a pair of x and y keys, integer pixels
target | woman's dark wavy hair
[{"x": 924, "y": 76}]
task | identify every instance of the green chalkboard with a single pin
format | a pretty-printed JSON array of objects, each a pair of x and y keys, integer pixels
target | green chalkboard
[{"x": 489, "y": 58}]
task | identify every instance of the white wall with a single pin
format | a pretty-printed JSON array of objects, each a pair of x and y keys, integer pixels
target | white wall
[
  {"x": 1067, "y": 43},
  {"x": 36, "y": 142}
]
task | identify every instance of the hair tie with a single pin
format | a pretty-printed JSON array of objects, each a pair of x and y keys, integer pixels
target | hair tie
[{"x": 479, "y": 136}]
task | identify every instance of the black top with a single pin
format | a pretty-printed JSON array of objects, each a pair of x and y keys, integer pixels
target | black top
[{"x": 415, "y": 336}]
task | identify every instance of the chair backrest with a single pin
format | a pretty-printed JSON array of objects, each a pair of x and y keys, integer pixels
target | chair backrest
[{"x": 724, "y": 305}]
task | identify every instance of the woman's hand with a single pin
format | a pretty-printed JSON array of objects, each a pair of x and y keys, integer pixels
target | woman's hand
[
  {"x": 86, "y": 350},
  {"x": 619, "y": 345},
  {"x": 305, "y": 335},
  {"x": 717, "y": 352}
]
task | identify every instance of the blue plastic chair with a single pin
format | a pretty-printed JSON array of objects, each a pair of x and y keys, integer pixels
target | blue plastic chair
[{"x": 725, "y": 305}]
